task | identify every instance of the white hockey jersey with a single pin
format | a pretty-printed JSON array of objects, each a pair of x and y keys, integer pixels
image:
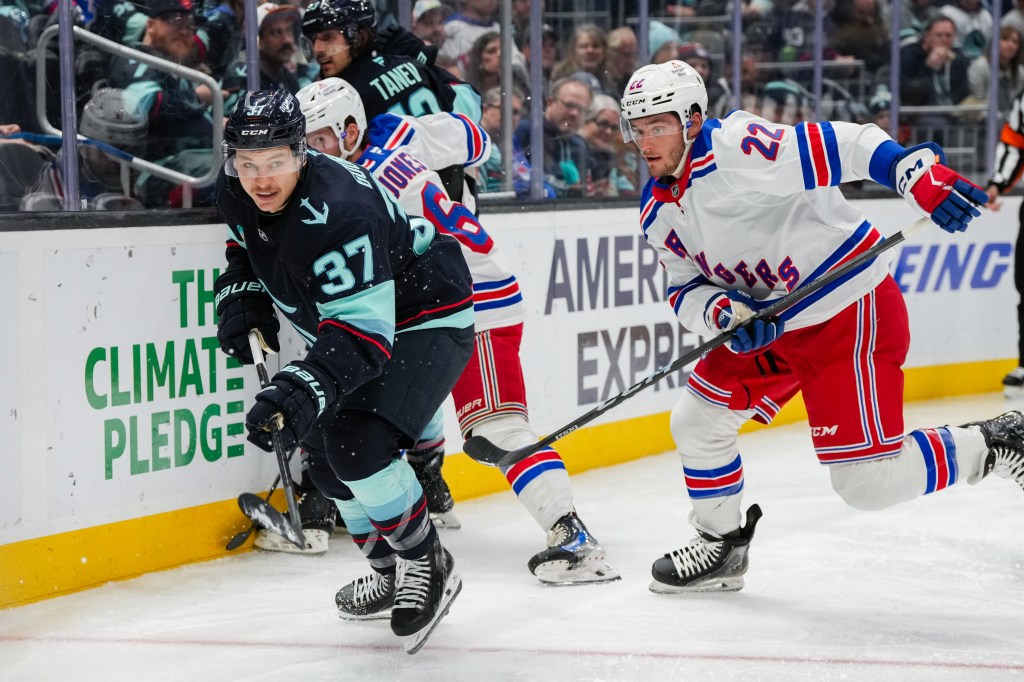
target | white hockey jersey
[
  {"x": 758, "y": 209},
  {"x": 403, "y": 155}
]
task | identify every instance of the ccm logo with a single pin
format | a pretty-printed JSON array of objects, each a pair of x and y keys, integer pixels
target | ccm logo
[
  {"x": 824, "y": 430},
  {"x": 261, "y": 131}
]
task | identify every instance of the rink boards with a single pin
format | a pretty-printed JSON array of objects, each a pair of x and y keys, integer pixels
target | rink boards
[{"x": 122, "y": 423}]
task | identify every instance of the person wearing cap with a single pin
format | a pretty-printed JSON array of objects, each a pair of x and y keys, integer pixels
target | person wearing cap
[
  {"x": 428, "y": 21},
  {"x": 177, "y": 118},
  {"x": 278, "y": 44},
  {"x": 663, "y": 42}
]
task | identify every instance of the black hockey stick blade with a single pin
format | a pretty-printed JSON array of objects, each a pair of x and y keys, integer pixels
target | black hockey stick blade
[
  {"x": 265, "y": 516},
  {"x": 239, "y": 538},
  {"x": 486, "y": 452}
]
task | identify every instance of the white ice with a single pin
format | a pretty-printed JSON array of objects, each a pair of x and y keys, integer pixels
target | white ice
[{"x": 931, "y": 590}]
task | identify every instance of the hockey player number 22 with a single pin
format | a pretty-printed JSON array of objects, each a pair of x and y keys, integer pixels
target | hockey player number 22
[{"x": 751, "y": 142}]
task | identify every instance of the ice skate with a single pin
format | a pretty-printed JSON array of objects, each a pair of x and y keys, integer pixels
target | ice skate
[
  {"x": 1013, "y": 384},
  {"x": 1004, "y": 436},
  {"x": 572, "y": 557},
  {"x": 425, "y": 591},
  {"x": 318, "y": 515},
  {"x": 708, "y": 563},
  {"x": 427, "y": 466},
  {"x": 368, "y": 598}
]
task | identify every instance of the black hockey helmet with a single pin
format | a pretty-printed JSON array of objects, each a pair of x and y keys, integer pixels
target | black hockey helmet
[
  {"x": 341, "y": 15},
  {"x": 263, "y": 120}
]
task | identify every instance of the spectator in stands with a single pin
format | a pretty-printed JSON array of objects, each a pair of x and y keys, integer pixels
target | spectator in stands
[
  {"x": 662, "y": 42},
  {"x": 21, "y": 162},
  {"x": 786, "y": 101},
  {"x": 932, "y": 70},
  {"x": 278, "y": 36},
  {"x": 474, "y": 18},
  {"x": 549, "y": 53},
  {"x": 973, "y": 25},
  {"x": 428, "y": 21},
  {"x": 613, "y": 163},
  {"x": 177, "y": 119},
  {"x": 521, "y": 17},
  {"x": 1011, "y": 70},
  {"x": 1015, "y": 17},
  {"x": 493, "y": 171},
  {"x": 566, "y": 154},
  {"x": 586, "y": 51},
  {"x": 448, "y": 64},
  {"x": 916, "y": 16},
  {"x": 220, "y": 33},
  {"x": 791, "y": 37},
  {"x": 861, "y": 32},
  {"x": 483, "y": 67},
  {"x": 122, "y": 22},
  {"x": 622, "y": 58},
  {"x": 699, "y": 58}
]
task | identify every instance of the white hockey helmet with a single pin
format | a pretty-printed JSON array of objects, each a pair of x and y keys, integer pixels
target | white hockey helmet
[
  {"x": 671, "y": 87},
  {"x": 328, "y": 104}
]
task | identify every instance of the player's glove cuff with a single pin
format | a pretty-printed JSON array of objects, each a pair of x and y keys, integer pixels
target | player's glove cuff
[{"x": 727, "y": 310}]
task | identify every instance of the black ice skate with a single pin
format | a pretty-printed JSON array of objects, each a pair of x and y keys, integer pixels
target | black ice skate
[
  {"x": 1004, "y": 436},
  {"x": 425, "y": 591},
  {"x": 368, "y": 598},
  {"x": 572, "y": 557},
  {"x": 1013, "y": 383},
  {"x": 318, "y": 515},
  {"x": 708, "y": 563},
  {"x": 427, "y": 465}
]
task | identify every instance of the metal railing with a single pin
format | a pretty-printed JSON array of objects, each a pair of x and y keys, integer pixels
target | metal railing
[{"x": 188, "y": 182}]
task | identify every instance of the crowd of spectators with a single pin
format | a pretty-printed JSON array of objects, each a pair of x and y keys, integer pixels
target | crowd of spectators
[{"x": 586, "y": 59}]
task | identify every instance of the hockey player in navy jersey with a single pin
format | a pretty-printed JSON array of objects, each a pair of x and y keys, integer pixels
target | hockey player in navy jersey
[
  {"x": 403, "y": 153},
  {"x": 742, "y": 211},
  {"x": 385, "y": 305}
]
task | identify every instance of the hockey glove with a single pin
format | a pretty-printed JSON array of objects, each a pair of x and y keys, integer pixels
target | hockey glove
[
  {"x": 935, "y": 190},
  {"x": 756, "y": 335},
  {"x": 299, "y": 393},
  {"x": 240, "y": 307},
  {"x": 728, "y": 310}
]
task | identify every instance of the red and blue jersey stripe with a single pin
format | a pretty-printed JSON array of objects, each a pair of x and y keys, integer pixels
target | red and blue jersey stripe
[
  {"x": 705, "y": 390},
  {"x": 475, "y": 140},
  {"x": 521, "y": 473},
  {"x": 491, "y": 295},
  {"x": 819, "y": 155},
  {"x": 717, "y": 482},
  {"x": 939, "y": 452}
]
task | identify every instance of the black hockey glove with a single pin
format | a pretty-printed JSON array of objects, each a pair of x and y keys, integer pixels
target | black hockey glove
[
  {"x": 299, "y": 393},
  {"x": 396, "y": 40},
  {"x": 240, "y": 307}
]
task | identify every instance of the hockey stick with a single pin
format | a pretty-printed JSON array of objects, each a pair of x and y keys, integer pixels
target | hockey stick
[
  {"x": 486, "y": 452},
  {"x": 292, "y": 531},
  {"x": 239, "y": 538}
]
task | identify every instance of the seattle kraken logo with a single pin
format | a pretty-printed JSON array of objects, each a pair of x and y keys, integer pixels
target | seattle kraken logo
[{"x": 318, "y": 217}]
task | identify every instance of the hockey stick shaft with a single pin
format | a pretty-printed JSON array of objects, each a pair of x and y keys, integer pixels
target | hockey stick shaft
[
  {"x": 482, "y": 450},
  {"x": 256, "y": 347}
]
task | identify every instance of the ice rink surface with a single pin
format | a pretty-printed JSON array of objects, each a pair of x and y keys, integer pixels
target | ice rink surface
[{"x": 932, "y": 590}]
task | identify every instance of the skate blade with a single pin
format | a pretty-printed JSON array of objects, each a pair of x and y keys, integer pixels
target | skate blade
[
  {"x": 734, "y": 584},
  {"x": 445, "y": 521},
  {"x": 379, "y": 615},
  {"x": 316, "y": 542},
  {"x": 587, "y": 572},
  {"x": 452, "y": 587}
]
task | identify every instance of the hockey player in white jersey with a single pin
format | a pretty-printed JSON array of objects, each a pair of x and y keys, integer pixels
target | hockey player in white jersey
[
  {"x": 742, "y": 211},
  {"x": 403, "y": 153}
]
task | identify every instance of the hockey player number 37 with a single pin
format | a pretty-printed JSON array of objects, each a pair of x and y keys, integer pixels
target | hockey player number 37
[{"x": 751, "y": 142}]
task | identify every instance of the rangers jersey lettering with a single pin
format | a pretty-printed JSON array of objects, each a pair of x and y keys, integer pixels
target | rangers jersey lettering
[
  {"x": 757, "y": 209},
  {"x": 404, "y": 154}
]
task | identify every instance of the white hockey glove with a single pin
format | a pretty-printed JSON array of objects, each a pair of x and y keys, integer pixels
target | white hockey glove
[{"x": 936, "y": 190}]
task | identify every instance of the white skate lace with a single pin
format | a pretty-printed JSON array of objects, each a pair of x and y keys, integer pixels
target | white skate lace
[
  {"x": 1009, "y": 464},
  {"x": 414, "y": 583},
  {"x": 370, "y": 588},
  {"x": 697, "y": 557}
]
